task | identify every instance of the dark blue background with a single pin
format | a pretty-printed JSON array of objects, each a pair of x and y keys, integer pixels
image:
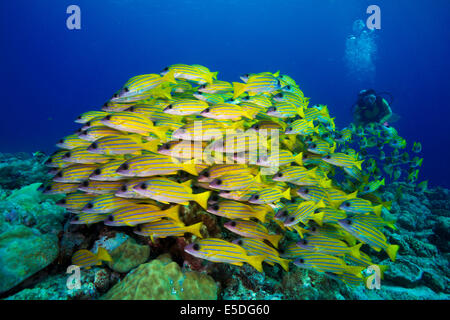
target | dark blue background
[{"x": 51, "y": 74}]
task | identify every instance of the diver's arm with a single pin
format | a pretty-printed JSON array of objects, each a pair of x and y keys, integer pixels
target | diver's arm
[{"x": 387, "y": 110}]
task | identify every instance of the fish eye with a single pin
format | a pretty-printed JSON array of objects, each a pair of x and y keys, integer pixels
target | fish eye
[
  {"x": 207, "y": 110},
  {"x": 97, "y": 171},
  {"x": 94, "y": 145},
  {"x": 48, "y": 188},
  {"x": 165, "y": 146},
  {"x": 169, "y": 107},
  {"x": 289, "y": 129},
  {"x": 89, "y": 205},
  {"x": 256, "y": 127},
  {"x": 126, "y": 89},
  {"x": 306, "y": 191},
  {"x": 280, "y": 174},
  {"x": 110, "y": 218},
  {"x": 256, "y": 197},
  {"x": 301, "y": 261},
  {"x": 205, "y": 174},
  {"x": 131, "y": 109},
  {"x": 59, "y": 174},
  {"x": 108, "y": 117},
  {"x": 166, "y": 69},
  {"x": 288, "y": 87},
  {"x": 218, "y": 182},
  {"x": 67, "y": 155},
  {"x": 327, "y": 157},
  {"x": 304, "y": 242},
  {"x": 85, "y": 183},
  {"x": 61, "y": 141},
  {"x": 196, "y": 247},
  {"x": 214, "y": 197},
  {"x": 347, "y": 204},
  {"x": 314, "y": 145},
  {"x": 313, "y": 229},
  {"x": 291, "y": 219},
  {"x": 62, "y": 201},
  {"x": 115, "y": 95},
  {"x": 240, "y": 242},
  {"x": 143, "y": 186},
  {"x": 284, "y": 213},
  {"x": 76, "y": 218},
  {"x": 199, "y": 93},
  {"x": 124, "y": 166},
  {"x": 233, "y": 223},
  {"x": 123, "y": 188},
  {"x": 215, "y": 207},
  {"x": 317, "y": 211}
]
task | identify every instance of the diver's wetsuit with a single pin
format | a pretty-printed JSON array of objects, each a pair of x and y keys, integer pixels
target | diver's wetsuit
[{"x": 365, "y": 113}]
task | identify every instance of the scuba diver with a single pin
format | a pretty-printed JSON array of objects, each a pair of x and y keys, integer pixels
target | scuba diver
[{"x": 371, "y": 107}]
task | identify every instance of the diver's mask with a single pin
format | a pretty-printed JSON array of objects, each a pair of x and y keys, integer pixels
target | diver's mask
[{"x": 370, "y": 99}]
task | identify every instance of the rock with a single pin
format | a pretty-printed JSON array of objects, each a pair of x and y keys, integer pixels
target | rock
[
  {"x": 128, "y": 256},
  {"x": 23, "y": 252}
]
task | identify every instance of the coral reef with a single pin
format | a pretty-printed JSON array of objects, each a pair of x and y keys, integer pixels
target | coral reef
[
  {"x": 162, "y": 279},
  {"x": 36, "y": 242},
  {"x": 21, "y": 169},
  {"x": 128, "y": 256}
]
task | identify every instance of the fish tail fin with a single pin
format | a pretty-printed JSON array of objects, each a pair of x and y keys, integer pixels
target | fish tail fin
[
  {"x": 318, "y": 218},
  {"x": 354, "y": 251},
  {"x": 239, "y": 88},
  {"x": 103, "y": 255},
  {"x": 358, "y": 164},
  {"x": 392, "y": 251},
  {"x": 195, "y": 229},
  {"x": 287, "y": 194},
  {"x": 250, "y": 114},
  {"x": 256, "y": 262},
  {"x": 187, "y": 183},
  {"x": 298, "y": 159},
  {"x": 276, "y": 74},
  {"x": 190, "y": 168},
  {"x": 152, "y": 145},
  {"x": 325, "y": 183},
  {"x": 172, "y": 213},
  {"x": 215, "y": 74},
  {"x": 355, "y": 270},
  {"x": 284, "y": 263},
  {"x": 377, "y": 210},
  {"x": 160, "y": 133},
  {"x": 261, "y": 215},
  {"x": 383, "y": 269},
  {"x": 202, "y": 199},
  {"x": 419, "y": 164},
  {"x": 258, "y": 178},
  {"x": 169, "y": 77},
  {"x": 301, "y": 113},
  {"x": 301, "y": 232},
  {"x": 274, "y": 239},
  {"x": 382, "y": 182},
  {"x": 391, "y": 224}
]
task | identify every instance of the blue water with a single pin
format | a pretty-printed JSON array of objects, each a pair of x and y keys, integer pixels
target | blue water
[{"x": 51, "y": 74}]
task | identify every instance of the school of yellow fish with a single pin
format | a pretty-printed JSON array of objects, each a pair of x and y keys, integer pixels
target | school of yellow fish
[{"x": 253, "y": 153}]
